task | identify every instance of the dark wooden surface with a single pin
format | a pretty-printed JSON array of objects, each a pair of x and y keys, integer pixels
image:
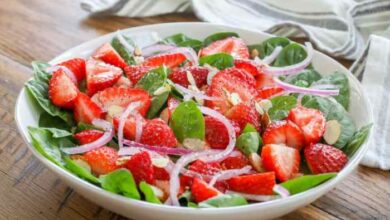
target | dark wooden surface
[{"x": 41, "y": 29}]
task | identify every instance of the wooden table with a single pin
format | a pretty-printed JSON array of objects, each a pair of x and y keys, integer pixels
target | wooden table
[{"x": 39, "y": 30}]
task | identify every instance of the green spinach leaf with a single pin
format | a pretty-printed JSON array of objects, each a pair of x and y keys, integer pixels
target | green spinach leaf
[
  {"x": 249, "y": 141},
  {"x": 357, "y": 140},
  {"x": 341, "y": 81},
  {"x": 148, "y": 192},
  {"x": 80, "y": 171},
  {"x": 268, "y": 46},
  {"x": 303, "y": 183},
  {"x": 333, "y": 111},
  {"x": 48, "y": 121},
  {"x": 290, "y": 55},
  {"x": 219, "y": 60},
  {"x": 304, "y": 79},
  {"x": 122, "y": 51},
  {"x": 188, "y": 122},
  {"x": 121, "y": 182},
  {"x": 281, "y": 105},
  {"x": 226, "y": 200},
  {"x": 182, "y": 40},
  {"x": 218, "y": 36}
]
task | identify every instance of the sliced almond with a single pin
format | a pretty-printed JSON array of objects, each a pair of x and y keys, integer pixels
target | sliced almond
[
  {"x": 160, "y": 161},
  {"x": 265, "y": 104},
  {"x": 259, "y": 109},
  {"x": 194, "y": 144},
  {"x": 235, "y": 98},
  {"x": 332, "y": 131},
  {"x": 158, "y": 192},
  {"x": 122, "y": 160},
  {"x": 137, "y": 51},
  {"x": 162, "y": 185},
  {"x": 256, "y": 163},
  {"x": 164, "y": 115},
  {"x": 254, "y": 53},
  {"x": 162, "y": 89}
]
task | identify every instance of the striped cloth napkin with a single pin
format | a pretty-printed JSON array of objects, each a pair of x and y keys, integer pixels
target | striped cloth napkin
[{"x": 352, "y": 29}]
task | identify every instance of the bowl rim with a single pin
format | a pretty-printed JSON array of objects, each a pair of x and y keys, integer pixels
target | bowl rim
[{"x": 352, "y": 163}]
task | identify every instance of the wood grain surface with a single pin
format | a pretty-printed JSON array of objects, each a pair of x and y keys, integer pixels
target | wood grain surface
[{"x": 40, "y": 30}]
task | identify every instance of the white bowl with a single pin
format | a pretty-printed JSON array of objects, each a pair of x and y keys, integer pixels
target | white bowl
[{"x": 360, "y": 111}]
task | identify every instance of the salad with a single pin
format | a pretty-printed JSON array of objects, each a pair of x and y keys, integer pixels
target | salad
[{"x": 184, "y": 122}]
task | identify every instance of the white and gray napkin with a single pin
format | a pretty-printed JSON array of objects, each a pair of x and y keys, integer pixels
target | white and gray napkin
[{"x": 341, "y": 28}]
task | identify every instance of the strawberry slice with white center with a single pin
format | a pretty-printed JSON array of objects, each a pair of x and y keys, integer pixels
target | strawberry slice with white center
[
  {"x": 231, "y": 45},
  {"x": 169, "y": 60},
  {"x": 122, "y": 97},
  {"x": 248, "y": 65},
  {"x": 62, "y": 90},
  {"x": 284, "y": 132},
  {"x": 109, "y": 55},
  {"x": 76, "y": 66},
  {"x": 181, "y": 76},
  {"x": 101, "y": 76},
  {"x": 311, "y": 121},
  {"x": 85, "y": 110},
  {"x": 231, "y": 86},
  {"x": 284, "y": 161},
  {"x": 135, "y": 73}
]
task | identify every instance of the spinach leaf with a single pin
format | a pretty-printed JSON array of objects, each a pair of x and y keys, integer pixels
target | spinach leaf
[
  {"x": 48, "y": 121},
  {"x": 192, "y": 205},
  {"x": 357, "y": 140},
  {"x": 122, "y": 51},
  {"x": 187, "y": 121},
  {"x": 341, "y": 81},
  {"x": 48, "y": 142},
  {"x": 80, "y": 171},
  {"x": 83, "y": 126},
  {"x": 281, "y": 105},
  {"x": 182, "y": 40},
  {"x": 304, "y": 79},
  {"x": 291, "y": 54},
  {"x": 249, "y": 141},
  {"x": 218, "y": 36},
  {"x": 303, "y": 183},
  {"x": 218, "y": 60},
  {"x": 120, "y": 181},
  {"x": 333, "y": 111},
  {"x": 226, "y": 200},
  {"x": 147, "y": 190},
  {"x": 38, "y": 89},
  {"x": 152, "y": 81},
  {"x": 268, "y": 46}
]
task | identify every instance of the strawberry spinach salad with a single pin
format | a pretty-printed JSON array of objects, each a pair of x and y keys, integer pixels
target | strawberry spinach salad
[{"x": 185, "y": 122}]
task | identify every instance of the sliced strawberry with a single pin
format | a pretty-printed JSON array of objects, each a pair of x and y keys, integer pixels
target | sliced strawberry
[
  {"x": 243, "y": 115},
  {"x": 235, "y": 162},
  {"x": 108, "y": 54},
  {"x": 135, "y": 73},
  {"x": 62, "y": 90},
  {"x": 284, "y": 132},
  {"x": 160, "y": 173},
  {"x": 323, "y": 158},
  {"x": 206, "y": 169},
  {"x": 231, "y": 45},
  {"x": 284, "y": 161},
  {"x": 259, "y": 183},
  {"x": 268, "y": 92},
  {"x": 123, "y": 97},
  {"x": 169, "y": 60},
  {"x": 311, "y": 121},
  {"x": 201, "y": 191},
  {"x": 230, "y": 86},
  {"x": 86, "y": 110},
  {"x": 249, "y": 66},
  {"x": 129, "y": 129},
  {"x": 88, "y": 136},
  {"x": 123, "y": 82},
  {"x": 102, "y": 160},
  {"x": 216, "y": 133},
  {"x": 77, "y": 66},
  {"x": 198, "y": 73},
  {"x": 101, "y": 76},
  {"x": 157, "y": 133},
  {"x": 264, "y": 81},
  {"x": 140, "y": 165}
]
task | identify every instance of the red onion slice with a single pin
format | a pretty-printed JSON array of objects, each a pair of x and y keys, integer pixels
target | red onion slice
[
  {"x": 227, "y": 174},
  {"x": 253, "y": 197},
  {"x": 189, "y": 93},
  {"x": 156, "y": 48},
  {"x": 160, "y": 149},
  {"x": 280, "y": 190},
  {"x": 130, "y": 108},
  {"x": 296, "y": 68},
  {"x": 107, "y": 136},
  {"x": 270, "y": 58},
  {"x": 124, "y": 42},
  {"x": 66, "y": 70},
  {"x": 302, "y": 90}
]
